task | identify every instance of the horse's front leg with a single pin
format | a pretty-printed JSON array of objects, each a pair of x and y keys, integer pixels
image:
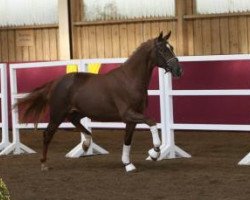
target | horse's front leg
[
  {"x": 130, "y": 127},
  {"x": 132, "y": 116}
]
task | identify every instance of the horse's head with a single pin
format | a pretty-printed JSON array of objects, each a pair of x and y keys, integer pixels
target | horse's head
[{"x": 165, "y": 56}]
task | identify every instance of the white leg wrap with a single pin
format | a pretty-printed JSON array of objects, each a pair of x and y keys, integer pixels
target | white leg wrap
[
  {"x": 130, "y": 167},
  {"x": 153, "y": 154},
  {"x": 126, "y": 160},
  {"x": 125, "y": 154},
  {"x": 155, "y": 136}
]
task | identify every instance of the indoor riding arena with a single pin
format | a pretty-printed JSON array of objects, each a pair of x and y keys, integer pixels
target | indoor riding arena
[{"x": 125, "y": 100}]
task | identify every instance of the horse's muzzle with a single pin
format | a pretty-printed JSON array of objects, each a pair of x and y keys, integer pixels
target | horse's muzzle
[{"x": 176, "y": 70}]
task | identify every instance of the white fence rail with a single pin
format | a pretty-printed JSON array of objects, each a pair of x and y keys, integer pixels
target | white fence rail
[{"x": 4, "y": 108}]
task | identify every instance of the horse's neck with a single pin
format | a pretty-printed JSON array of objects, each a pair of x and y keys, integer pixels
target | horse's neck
[{"x": 139, "y": 69}]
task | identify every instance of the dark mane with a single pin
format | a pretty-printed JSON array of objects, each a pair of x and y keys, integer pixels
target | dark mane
[{"x": 143, "y": 49}]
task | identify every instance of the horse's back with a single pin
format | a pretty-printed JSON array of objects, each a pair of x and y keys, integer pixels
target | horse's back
[{"x": 89, "y": 94}]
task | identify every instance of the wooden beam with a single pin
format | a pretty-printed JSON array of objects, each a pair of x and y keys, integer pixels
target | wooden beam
[
  {"x": 64, "y": 34},
  {"x": 204, "y": 16},
  {"x": 29, "y": 27},
  {"x": 111, "y": 22}
]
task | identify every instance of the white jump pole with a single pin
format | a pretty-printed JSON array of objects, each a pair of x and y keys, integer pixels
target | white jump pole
[
  {"x": 4, "y": 106},
  {"x": 16, "y": 146},
  {"x": 168, "y": 149}
]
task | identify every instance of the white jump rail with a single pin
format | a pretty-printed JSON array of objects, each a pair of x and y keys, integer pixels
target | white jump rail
[
  {"x": 16, "y": 146},
  {"x": 77, "y": 151},
  {"x": 4, "y": 107},
  {"x": 168, "y": 150}
]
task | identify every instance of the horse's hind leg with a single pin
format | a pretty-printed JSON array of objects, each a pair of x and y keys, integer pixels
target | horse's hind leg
[
  {"x": 75, "y": 119},
  {"x": 55, "y": 120},
  {"x": 47, "y": 137}
]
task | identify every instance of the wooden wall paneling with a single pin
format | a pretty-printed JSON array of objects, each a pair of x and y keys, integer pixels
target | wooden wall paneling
[
  {"x": 39, "y": 44},
  {"x": 224, "y": 36},
  {"x": 100, "y": 41},
  {"x": 53, "y": 44},
  {"x": 123, "y": 40},
  {"x": 32, "y": 50},
  {"x": 75, "y": 38},
  {"x": 4, "y": 41},
  {"x": 215, "y": 36},
  {"x": 146, "y": 31},
  {"x": 57, "y": 44},
  {"x": 155, "y": 29},
  {"x": 19, "y": 54},
  {"x": 32, "y": 53},
  {"x": 109, "y": 52},
  {"x": 173, "y": 37},
  {"x": 92, "y": 42},
  {"x": 242, "y": 28},
  {"x": 11, "y": 46},
  {"x": 172, "y": 40},
  {"x": 131, "y": 38},
  {"x": 163, "y": 26},
  {"x": 46, "y": 50},
  {"x": 180, "y": 11},
  {"x": 206, "y": 36},
  {"x": 18, "y": 51},
  {"x": 233, "y": 35},
  {"x": 25, "y": 51},
  {"x": 198, "y": 42},
  {"x": 85, "y": 41},
  {"x": 138, "y": 34},
  {"x": 248, "y": 33},
  {"x": 189, "y": 38},
  {"x": 77, "y": 43},
  {"x": 115, "y": 51}
]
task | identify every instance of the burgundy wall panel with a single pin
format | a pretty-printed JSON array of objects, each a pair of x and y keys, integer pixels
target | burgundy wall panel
[{"x": 213, "y": 109}]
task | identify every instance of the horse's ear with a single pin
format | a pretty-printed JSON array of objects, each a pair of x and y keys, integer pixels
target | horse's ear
[
  {"x": 160, "y": 36},
  {"x": 166, "y": 37}
]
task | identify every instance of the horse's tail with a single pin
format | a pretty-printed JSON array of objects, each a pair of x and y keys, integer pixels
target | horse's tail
[{"x": 35, "y": 103}]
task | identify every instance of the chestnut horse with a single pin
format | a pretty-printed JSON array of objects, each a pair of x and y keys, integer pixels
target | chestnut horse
[{"x": 120, "y": 95}]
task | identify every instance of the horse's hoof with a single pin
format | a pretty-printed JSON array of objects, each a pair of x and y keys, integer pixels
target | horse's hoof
[
  {"x": 154, "y": 155},
  {"x": 44, "y": 167},
  {"x": 130, "y": 168}
]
